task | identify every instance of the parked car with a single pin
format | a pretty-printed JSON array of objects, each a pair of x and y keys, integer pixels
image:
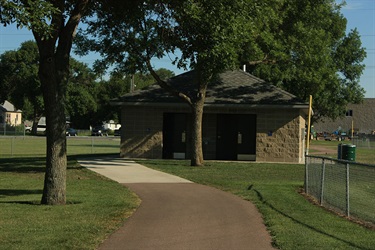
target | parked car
[
  {"x": 99, "y": 131},
  {"x": 71, "y": 132},
  {"x": 41, "y": 129},
  {"x": 28, "y": 129},
  {"x": 118, "y": 132}
]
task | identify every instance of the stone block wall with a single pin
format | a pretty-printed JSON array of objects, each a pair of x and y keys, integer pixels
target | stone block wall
[
  {"x": 142, "y": 133},
  {"x": 280, "y": 136},
  {"x": 142, "y": 128}
]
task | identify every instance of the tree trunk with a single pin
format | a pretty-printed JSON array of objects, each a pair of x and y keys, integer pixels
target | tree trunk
[
  {"x": 196, "y": 104},
  {"x": 53, "y": 74},
  {"x": 196, "y": 138},
  {"x": 54, "y": 89},
  {"x": 197, "y": 151}
]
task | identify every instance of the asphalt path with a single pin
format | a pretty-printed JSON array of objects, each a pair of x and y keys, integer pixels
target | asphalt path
[{"x": 178, "y": 214}]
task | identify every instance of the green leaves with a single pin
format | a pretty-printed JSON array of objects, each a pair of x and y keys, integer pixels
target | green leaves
[
  {"x": 19, "y": 82},
  {"x": 310, "y": 55},
  {"x": 32, "y": 14}
]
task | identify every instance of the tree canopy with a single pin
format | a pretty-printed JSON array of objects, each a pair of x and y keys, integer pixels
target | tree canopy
[
  {"x": 87, "y": 98},
  {"x": 21, "y": 85},
  {"x": 31, "y": 14},
  {"x": 300, "y": 46},
  {"x": 19, "y": 82},
  {"x": 208, "y": 34},
  {"x": 307, "y": 52}
]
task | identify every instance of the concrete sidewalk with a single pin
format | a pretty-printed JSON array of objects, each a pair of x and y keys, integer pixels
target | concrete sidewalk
[
  {"x": 126, "y": 171},
  {"x": 178, "y": 214}
]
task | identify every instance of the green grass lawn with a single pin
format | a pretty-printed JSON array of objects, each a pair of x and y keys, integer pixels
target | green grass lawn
[
  {"x": 24, "y": 146},
  {"x": 95, "y": 207},
  {"x": 364, "y": 153},
  {"x": 294, "y": 222}
]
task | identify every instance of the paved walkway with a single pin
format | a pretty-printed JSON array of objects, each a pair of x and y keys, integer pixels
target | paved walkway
[{"x": 178, "y": 214}]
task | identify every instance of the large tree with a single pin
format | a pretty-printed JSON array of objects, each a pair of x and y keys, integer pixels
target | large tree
[
  {"x": 208, "y": 33},
  {"x": 300, "y": 46},
  {"x": 54, "y": 52},
  {"x": 54, "y": 55}
]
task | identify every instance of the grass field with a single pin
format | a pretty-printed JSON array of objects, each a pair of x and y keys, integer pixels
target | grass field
[
  {"x": 21, "y": 146},
  {"x": 294, "y": 222},
  {"x": 95, "y": 207},
  {"x": 364, "y": 153}
]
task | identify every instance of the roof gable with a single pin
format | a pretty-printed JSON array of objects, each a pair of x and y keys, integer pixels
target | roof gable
[
  {"x": 230, "y": 87},
  {"x": 8, "y": 107}
]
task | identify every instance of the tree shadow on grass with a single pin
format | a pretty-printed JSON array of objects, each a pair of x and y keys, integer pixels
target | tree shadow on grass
[
  {"x": 18, "y": 192},
  {"x": 11, "y": 193},
  {"x": 38, "y": 202},
  {"x": 22, "y": 202},
  {"x": 260, "y": 197},
  {"x": 38, "y": 164},
  {"x": 23, "y": 165}
]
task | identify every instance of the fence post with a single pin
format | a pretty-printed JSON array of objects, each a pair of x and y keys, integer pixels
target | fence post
[
  {"x": 322, "y": 182},
  {"x": 347, "y": 191},
  {"x": 306, "y": 174}
]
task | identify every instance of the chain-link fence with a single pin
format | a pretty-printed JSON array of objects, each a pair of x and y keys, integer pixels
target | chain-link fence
[
  {"x": 343, "y": 186},
  {"x": 7, "y": 130},
  {"x": 364, "y": 141},
  {"x": 25, "y": 146}
]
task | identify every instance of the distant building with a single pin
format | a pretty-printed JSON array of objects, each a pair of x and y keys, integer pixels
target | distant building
[
  {"x": 361, "y": 115},
  {"x": 10, "y": 115}
]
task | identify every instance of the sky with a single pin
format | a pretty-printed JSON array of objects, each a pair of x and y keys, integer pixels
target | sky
[{"x": 359, "y": 13}]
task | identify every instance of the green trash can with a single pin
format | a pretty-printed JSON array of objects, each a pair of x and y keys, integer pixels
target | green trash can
[{"x": 348, "y": 152}]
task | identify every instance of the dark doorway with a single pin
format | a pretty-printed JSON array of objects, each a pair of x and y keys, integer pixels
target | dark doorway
[
  {"x": 174, "y": 136},
  {"x": 236, "y": 137}
]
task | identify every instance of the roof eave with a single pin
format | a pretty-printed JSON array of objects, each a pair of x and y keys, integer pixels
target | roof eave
[{"x": 232, "y": 105}]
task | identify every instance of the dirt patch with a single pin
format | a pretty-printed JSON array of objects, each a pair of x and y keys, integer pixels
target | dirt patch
[{"x": 321, "y": 150}]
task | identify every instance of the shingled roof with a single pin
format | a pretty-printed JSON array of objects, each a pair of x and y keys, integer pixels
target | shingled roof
[{"x": 230, "y": 87}]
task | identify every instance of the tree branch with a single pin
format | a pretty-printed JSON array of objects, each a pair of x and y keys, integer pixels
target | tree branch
[
  {"x": 68, "y": 31},
  {"x": 166, "y": 86}
]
